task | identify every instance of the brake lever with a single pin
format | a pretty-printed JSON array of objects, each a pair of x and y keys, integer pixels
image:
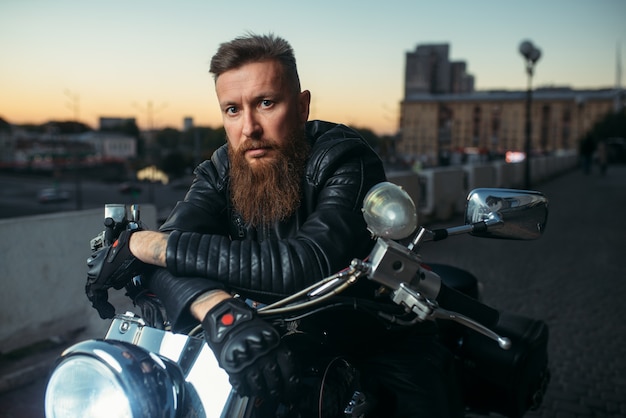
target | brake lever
[
  {"x": 503, "y": 342},
  {"x": 425, "y": 309}
]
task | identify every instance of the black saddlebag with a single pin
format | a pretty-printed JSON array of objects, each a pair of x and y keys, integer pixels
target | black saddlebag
[{"x": 509, "y": 382}]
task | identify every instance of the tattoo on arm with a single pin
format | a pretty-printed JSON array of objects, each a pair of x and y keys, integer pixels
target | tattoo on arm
[
  {"x": 157, "y": 249},
  {"x": 149, "y": 247}
]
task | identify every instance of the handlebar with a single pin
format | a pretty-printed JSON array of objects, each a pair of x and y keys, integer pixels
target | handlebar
[
  {"x": 116, "y": 219},
  {"x": 497, "y": 213},
  {"x": 418, "y": 290}
]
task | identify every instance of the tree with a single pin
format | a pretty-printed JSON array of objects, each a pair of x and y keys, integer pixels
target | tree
[
  {"x": 612, "y": 125},
  {"x": 4, "y": 125},
  {"x": 168, "y": 139},
  {"x": 203, "y": 141},
  {"x": 128, "y": 127},
  {"x": 612, "y": 130},
  {"x": 175, "y": 164},
  {"x": 66, "y": 127}
]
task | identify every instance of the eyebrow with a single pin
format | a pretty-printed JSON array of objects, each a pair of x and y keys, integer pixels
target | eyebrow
[{"x": 257, "y": 98}]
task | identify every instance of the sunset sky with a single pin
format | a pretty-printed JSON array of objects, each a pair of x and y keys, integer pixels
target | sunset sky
[{"x": 142, "y": 58}]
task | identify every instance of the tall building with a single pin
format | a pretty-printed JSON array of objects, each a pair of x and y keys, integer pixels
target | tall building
[
  {"x": 429, "y": 71},
  {"x": 187, "y": 123}
]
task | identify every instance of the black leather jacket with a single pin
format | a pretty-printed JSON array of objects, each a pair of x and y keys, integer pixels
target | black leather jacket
[{"x": 210, "y": 247}]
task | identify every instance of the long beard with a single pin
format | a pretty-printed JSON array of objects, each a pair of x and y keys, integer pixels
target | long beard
[{"x": 271, "y": 191}]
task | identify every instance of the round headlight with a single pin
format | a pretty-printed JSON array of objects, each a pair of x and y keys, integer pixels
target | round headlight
[
  {"x": 389, "y": 211},
  {"x": 113, "y": 379},
  {"x": 84, "y": 387}
]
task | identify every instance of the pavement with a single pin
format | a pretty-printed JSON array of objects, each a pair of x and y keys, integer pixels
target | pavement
[{"x": 574, "y": 278}]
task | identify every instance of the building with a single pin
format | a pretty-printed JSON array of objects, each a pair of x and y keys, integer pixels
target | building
[
  {"x": 48, "y": 149},
  {"x": 111, "y": 146},
  {"x": 187, "y": 124},
  {"x": 443, "y": 120},
  {"x": 51, "y": 149},
  {"x": 429, "y": 71}
]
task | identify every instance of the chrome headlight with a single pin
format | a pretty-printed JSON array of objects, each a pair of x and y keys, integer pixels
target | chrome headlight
[
  {"x": 113, "y": 379},
  {"x": 389, "y": 211}
]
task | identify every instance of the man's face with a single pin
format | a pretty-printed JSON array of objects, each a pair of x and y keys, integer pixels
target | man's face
[{"x": 261, "y": 109}]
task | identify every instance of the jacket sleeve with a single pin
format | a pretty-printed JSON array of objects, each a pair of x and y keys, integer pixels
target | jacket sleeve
[
  {"x": 177, "y": 294},
  {"x": 338, "y": 176}
]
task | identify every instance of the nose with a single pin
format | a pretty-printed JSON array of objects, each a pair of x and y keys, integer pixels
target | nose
[{"x": 251, "y": 127}]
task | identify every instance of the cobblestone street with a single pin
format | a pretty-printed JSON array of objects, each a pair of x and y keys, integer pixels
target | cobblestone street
[{"x": 574, "y": 277}]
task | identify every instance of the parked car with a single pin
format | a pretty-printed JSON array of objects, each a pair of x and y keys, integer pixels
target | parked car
[{"x": 53, "y": 194}]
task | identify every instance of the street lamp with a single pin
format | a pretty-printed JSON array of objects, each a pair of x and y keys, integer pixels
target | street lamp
[{"x": 531, "y": 55}]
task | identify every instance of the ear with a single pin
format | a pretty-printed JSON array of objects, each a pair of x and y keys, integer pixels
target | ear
[{"x": 304, "y": 104}]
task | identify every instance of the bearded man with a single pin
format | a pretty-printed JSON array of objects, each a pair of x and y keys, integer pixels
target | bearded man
[{"x": 276, "y": 209}]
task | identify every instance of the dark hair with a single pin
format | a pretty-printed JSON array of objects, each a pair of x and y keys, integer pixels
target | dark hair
[{"x": 254, "y": 48}]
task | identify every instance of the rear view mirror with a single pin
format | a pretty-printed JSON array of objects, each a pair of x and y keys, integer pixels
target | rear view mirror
[{"x": 523, "y": 213}]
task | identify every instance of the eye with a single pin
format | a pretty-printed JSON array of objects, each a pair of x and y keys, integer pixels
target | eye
[
  {"x": 266, "y": 103},
  {"x": 231, "y": 110}
]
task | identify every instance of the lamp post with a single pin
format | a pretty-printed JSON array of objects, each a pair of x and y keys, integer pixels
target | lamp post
[{"x": 531, "y": 55}]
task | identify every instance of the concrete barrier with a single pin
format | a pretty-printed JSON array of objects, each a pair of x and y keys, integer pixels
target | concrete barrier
[
  {"x": 43, "y": 272},
  {"x": 440, "y": 192},
  {"x": 409, "y": 181},
  {"x": 445, "y": 192},
  {"x": 479, "y": 175}
]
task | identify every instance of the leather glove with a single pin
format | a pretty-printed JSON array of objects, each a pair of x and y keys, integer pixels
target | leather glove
[
  {"x": 258, "y": 363},
  {"x": 111, "y": 266}
]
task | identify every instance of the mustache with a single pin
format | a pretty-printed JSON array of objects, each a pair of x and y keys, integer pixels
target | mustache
[{"x": 254, "y": 144}]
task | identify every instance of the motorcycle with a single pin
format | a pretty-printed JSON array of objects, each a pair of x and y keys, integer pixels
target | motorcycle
[{"x": 142, "y": 369}]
